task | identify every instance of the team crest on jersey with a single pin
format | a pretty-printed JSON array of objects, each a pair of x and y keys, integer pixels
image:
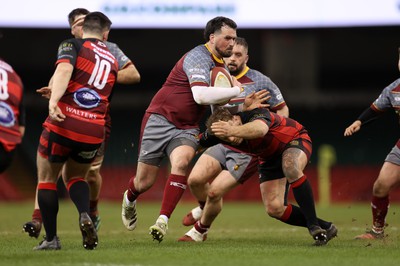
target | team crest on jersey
[
  {"x": 7, "y": 118},
  {"x": 86, "y": 98}
]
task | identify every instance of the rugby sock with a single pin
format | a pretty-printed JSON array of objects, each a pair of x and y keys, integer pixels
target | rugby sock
[
  {"x": 36, "y": 215},
  {"x": 48, "y": 204},
  {"x": 132, "y": 194},
  {"x": 201, "y": 228},
  {"x": 379, "y": 208},
  {"x": 303, "y": 194},
  {"x": 173, "y": 191},
  {"x": 78, "y": 190},
  {"x": 294, "y": 216},
  {"x": 93, "y": 207}
]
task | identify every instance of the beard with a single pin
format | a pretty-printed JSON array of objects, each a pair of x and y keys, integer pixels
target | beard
[
  {"x": 235, "y": 69},
  {"x": 226, "y": 53}
]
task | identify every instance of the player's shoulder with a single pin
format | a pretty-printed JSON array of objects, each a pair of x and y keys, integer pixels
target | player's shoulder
[
  {"x": 68, "y": 45},
  {"x": 257, "y": 113},
  {"x": 111, "y": 45},
  {"x": 257, "y": 75},
  {"x": 198, "y": 52},
  {"x": 394, "y": 86},
  {"x": 199, "y": 57}
]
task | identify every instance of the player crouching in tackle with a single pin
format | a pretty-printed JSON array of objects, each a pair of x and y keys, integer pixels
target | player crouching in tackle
[{"x": 283, "y": 148}]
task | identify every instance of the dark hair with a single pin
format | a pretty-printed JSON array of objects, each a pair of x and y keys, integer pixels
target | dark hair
[
  {"x": 216, "y": 24},
  {"x": 76, "y": 12},
  {"x": 219, "y": 114},
  {"x": 96, "y": 22},
  {"x": 242, "y": 41}
]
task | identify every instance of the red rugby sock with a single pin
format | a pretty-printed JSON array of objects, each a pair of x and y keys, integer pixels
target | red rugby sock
[{"x": 173, "y": 191}]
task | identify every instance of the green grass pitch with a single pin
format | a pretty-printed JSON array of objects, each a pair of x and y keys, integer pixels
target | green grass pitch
[{"x": 242, "y": 235}]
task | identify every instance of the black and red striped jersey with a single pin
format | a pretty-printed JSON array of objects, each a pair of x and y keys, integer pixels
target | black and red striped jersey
[
  {"x": 12, "y": 111},
  {"x": 86, "y": 99},
  {"x": 281, "y": 132}
]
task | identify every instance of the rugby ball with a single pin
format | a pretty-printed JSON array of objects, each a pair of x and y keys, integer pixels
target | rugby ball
[{"x": 220, "y": 77}]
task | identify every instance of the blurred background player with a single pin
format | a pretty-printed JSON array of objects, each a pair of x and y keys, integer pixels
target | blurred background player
[
  {"x": 127, "y": 74},
  {"x": 74, "y": 129},
  {"x": 12, "y": 114},
  {"x": 171, "y": 122},
  {"x": 238, "y": 166},
  {"x": 389, "y": 175}
]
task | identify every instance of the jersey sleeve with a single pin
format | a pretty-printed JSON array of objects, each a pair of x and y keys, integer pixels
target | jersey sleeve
[
  {"x": 123, "y": 60},
  {"x": 67, "y": 52},
  {"x": 385, "y": 99},
  {"x": 197, "y": 66},
  {"x": 257, "y": 114},
  {"x": 276, "y": 99}
]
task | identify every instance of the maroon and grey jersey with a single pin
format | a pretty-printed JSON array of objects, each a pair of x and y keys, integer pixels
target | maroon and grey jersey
[
  {"x": 389, "y": 98},
  {"x": 86, "y": 99},
  {"x": 253, "y": 81},
  {"x": 12, "y": 112},
  {"x": 175, "y": 100}
]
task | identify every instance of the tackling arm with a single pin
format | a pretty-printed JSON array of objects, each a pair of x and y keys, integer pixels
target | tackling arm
[{"x": 252, "y": 130}]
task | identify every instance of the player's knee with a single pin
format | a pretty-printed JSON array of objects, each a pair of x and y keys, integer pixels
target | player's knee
[
  {"x": 195, "y": 181},
  {"x": 380, "y": 188},
  {"x": 291, "y": 172},
  {"x": 180, "y": 166},
  {"x": 214, "y": 195},
  {"x": 92, "y": 176},
  {"x": 274, "y": 208}
]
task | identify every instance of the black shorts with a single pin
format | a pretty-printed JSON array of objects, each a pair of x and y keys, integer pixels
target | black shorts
[
  {"x": 272, "y": 169},
  {"x": 57, "y": 149}
]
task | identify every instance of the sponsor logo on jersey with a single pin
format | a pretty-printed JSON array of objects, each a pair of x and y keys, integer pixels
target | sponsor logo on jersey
[
  {"x": 65, "y": 47},
  {"x": 86, "y": 98},
  {"x": 87, "y": 154},
  {"x": 197, "y": 77},
  {"x": 197, "y": 70},
  {"x": 7, "y": 118}
]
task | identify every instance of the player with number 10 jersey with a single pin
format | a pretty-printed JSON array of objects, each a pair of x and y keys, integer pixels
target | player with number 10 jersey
[{"x": 86, "y": 99}]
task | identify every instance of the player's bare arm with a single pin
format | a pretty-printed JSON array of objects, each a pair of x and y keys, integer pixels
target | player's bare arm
[
  {"x": 251, "y": 130},
  {"x": 61, "y": 78},
  {"x": 128, "y": 75},
  {"x": 284, "y": 111}
]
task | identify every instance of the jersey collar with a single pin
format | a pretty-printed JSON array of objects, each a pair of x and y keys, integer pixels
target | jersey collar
[
  {"x": 219, "y": 60},
  {"x": 241, "y": 74}
]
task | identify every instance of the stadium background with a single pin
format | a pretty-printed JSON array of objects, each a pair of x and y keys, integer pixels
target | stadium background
[{"x": 328, "y": 77}]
